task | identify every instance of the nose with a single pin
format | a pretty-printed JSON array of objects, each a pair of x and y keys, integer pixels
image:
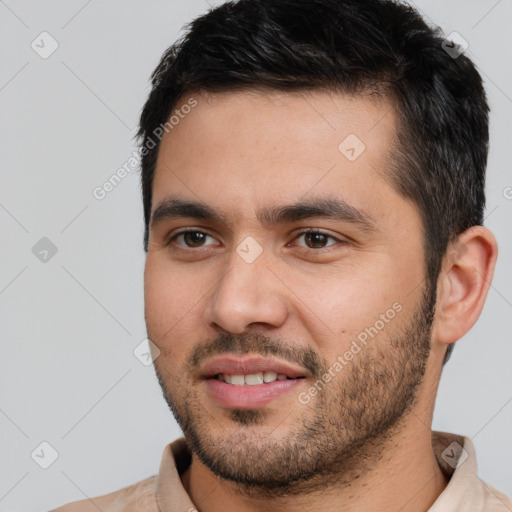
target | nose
[{"x": 247, "y": 293}]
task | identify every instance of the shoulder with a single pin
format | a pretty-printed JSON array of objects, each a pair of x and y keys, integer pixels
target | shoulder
[
  {"x": 495, "y": 500},
  {"x": 139, "y": 496}
]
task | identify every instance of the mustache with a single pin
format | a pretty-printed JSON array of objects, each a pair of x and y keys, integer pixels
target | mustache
[{"x": 227, "y": 343}]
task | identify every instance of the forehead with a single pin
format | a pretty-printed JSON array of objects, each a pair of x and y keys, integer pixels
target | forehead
[{"x": 240, "y": 151}]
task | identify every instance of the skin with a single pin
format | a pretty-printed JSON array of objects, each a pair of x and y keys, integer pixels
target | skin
[{"x": 364, "y": 441}]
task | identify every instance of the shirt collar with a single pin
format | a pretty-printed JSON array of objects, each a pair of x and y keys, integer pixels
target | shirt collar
[
  {"x": 456, "y": 456},
  {"x": 171, "y": 496}
]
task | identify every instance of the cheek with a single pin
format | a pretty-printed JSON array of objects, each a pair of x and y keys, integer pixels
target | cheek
[
  {"x": 348, "y": 305},
  {"x": 172, "y": 298},
  {"x": 345, "y": 303}
]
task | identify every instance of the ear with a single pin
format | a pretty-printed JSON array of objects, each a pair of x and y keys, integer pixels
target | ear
[{"x": 463, "y": 283}]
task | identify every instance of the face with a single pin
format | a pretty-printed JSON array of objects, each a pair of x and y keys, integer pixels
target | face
[{"x": 277, "y": 246}]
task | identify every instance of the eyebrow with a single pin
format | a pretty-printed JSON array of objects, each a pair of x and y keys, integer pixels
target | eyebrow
[{"x": 330, "y": 208}]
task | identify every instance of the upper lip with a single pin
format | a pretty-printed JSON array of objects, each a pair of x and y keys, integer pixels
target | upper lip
[{"x": 236, "y": 365}]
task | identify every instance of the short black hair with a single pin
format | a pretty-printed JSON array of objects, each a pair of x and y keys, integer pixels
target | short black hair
[{"x": 380, "y": 47}]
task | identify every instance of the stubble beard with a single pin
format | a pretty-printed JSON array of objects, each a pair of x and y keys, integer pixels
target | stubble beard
[{"x": 337, "y": 436}]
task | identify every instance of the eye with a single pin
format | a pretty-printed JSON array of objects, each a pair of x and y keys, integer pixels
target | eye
[
  {"x": 191, "y": 238},
  {"x": 316, "y": 239},
  {"x": 313, "y": 239}
]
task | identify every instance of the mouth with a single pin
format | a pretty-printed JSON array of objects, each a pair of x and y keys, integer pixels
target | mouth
[
  {"x": 250, "y": 382},
  {"x": 250, "y": 370},
  {"x": 253, "y": 379}
]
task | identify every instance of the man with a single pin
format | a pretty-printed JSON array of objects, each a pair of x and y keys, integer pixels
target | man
[{"x": 313, "y": 185}]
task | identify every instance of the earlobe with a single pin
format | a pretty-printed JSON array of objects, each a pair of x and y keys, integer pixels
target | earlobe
[{"x": 463, "y": 284}]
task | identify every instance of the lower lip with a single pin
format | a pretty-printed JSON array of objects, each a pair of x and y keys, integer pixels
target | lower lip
[{"x": 249, "y": 397}]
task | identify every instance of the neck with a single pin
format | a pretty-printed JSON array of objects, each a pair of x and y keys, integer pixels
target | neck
[{"x": 402, "y": 475}]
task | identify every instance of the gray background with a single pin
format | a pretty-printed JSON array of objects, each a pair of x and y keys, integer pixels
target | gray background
[{"x": 68, "y": 375}]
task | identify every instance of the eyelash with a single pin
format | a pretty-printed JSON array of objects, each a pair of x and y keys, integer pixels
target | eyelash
[{"x": 301, "y": 233}]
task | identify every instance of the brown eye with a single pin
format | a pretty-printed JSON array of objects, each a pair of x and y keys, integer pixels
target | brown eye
[
  {"x": 316, "y": 240},
  {"x": 190, "y": 239},
  {"x": 194, "y": 239}
]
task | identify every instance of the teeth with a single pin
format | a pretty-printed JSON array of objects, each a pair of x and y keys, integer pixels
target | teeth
[
  {"x": 252, "y": 379},
  {"x": 237, "y": 380},
  {"x": 269, "y": 376}
]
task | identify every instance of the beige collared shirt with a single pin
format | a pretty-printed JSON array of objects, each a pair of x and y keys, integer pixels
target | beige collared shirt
[{"x": 164, "y": 492}]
